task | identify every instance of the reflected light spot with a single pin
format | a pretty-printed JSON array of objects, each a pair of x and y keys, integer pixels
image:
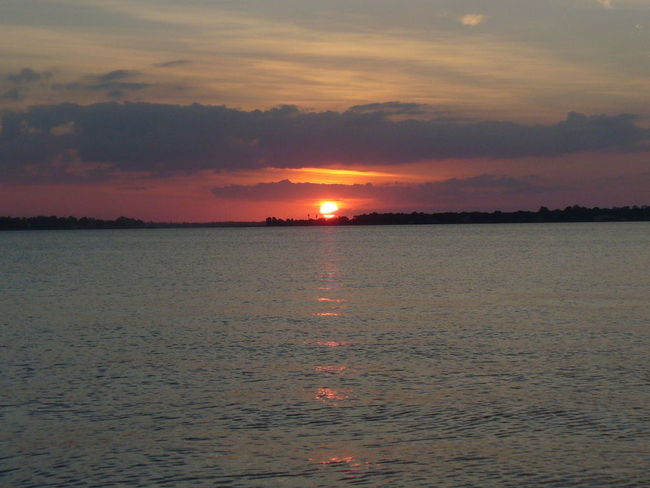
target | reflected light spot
[
  {"x": 329, "y": 394},
  {"x": 336, "y": 460},
  {"x": 351, "y": 461},
  {"x": 327, "y": 314},
  {"x": 335, "y": 300},
  {"x": 331, "y": 369},
  {"x": 330, "y": 343}
]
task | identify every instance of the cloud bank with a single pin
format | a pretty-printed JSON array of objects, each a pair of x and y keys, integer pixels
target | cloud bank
[
  {"x": 430, "y": 193},
  {"x": 52, "y": 142}
]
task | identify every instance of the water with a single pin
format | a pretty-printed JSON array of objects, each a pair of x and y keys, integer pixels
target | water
[{"x": 499, "y": 355}]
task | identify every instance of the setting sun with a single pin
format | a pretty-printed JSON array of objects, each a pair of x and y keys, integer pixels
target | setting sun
[{"x": 327, "y": 209}]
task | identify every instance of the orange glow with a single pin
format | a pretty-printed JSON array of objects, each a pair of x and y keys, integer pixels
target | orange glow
[
  {"x": 331, "y": 369},
  {"x": 330, "y": 343},
  {"x": 351, "y": 461},
  {"x": 329, "y": 394},
  {"x": 335, "y": 300},
  {"x": 314, "y": 175},
  {"x": 331, "y": 175},
  {"x": 337, "y": 460},
  {"x": 345, "y": 172},
  {"x": 327, "y": 209},
  {"x": 327, "y": 314}
]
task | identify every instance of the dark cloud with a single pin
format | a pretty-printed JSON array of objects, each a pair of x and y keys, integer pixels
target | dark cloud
[
  {"x": 399, "y": 111},
  {"x": 171, "y": 64},
  {"x": 28, "y": 75},
  {"x": 13, "y": 94},
  {"x": 286, "y": 190},
  {"x": 115, "y": 84},
  {"x": 390, "y": 108},
  {"x": 425, "y": 194},
  {"x": 116, "y": 75},
  {"x": 169, "y": 139},
  {"x": 20, "y": 83}
]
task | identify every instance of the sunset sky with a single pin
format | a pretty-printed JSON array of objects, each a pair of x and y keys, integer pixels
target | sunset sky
[{"x": 213, "y": 110}]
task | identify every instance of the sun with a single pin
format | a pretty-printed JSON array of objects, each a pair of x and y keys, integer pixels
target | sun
[{"x": 327, "y": 209}]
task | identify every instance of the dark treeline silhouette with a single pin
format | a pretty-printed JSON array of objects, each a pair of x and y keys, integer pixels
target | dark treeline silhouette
[
  {"x": 575, "y": 213},
  {"x": 58, "y": 223},
  {"x": 322, "y": 221},
  {"x": 52, "y": 222}
]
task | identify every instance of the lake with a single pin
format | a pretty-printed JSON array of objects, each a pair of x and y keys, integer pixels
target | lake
[{"x": 415, "y": 356}]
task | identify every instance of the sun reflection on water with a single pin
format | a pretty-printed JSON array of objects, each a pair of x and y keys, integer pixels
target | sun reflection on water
[
  {"x": 338, "y": 460},
  {"x": 345, "y": 461},
  {"x": 331, "y": 369},
  {"x": 331, "y": 395},
  {"x": 331, "y": 304},
  {"x": 330, "y": 343}
]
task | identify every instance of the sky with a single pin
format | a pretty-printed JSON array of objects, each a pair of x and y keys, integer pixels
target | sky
[{"x": 218, "y": 110}]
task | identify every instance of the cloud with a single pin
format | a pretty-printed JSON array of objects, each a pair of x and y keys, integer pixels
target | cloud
[
  {"x": 116, "y": 75},
  {"x": 114, "y": 83},
  {"x": 163, "y": 140},
  {"x": 402, "y": 111},
  {"x": 396, "y": 194},
  {"x": 472, "y": 20},
  {"x": 28, "y": 75},
  {"x": 390, "y": 108},
  {"x": 172, "y": 64},
  {"x": 13, "y": 94},
  {"x": 21, "y": 82},
  {"x": 606, "y": 3}
]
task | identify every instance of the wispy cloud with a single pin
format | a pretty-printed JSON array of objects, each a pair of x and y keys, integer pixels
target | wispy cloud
[
  {"x": 472, "y": 20},
  {"x": 172, "y": 64},
  {"x": 606, "y": 3},
  {"x": 314, "y": 61}
]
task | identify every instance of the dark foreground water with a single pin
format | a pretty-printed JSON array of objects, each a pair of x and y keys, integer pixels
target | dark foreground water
[{"x": 464, "y": 356}]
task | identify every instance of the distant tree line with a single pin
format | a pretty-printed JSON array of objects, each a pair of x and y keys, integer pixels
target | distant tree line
[
  {"x": 52, "y": 222},
  {"x": 321, "y": 221},
  {"x": 573, "y": 213},
  {"x": 72, "y": 223}
]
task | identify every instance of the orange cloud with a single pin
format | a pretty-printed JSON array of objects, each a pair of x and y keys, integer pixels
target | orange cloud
[{"x": 472, "y": 20}]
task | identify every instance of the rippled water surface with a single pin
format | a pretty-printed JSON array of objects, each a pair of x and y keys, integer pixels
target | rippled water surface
[{"x": 465, "y": 356}]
